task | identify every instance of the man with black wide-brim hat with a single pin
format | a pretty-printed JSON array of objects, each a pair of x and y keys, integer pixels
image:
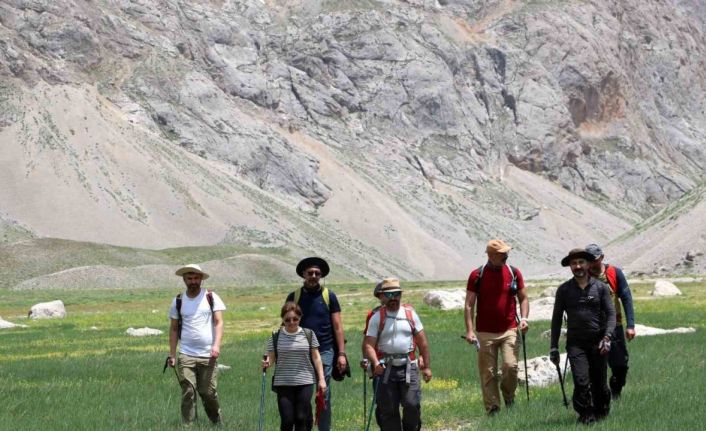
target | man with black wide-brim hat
[
  {"x": 590, "y": 324},
  {"x": 322, "y": 314}
]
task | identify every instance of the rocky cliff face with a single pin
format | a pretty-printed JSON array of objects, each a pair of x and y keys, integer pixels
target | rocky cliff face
[{"x": 394, "y": 136}]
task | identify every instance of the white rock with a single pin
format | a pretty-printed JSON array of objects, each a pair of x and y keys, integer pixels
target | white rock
[
  {"x": 541, "y": 371},
  {"x": 541, "y": 309},
  {"x": 4, "y": 324},
  {"x": 446, "y": 299},
  {"x": 48, "y": 310},
  {"x": 645, "y": 331},
  {"x": 93, "y": 328},
  {"x": 142, "y": 332},
  {"x": 665, "y": 288}
]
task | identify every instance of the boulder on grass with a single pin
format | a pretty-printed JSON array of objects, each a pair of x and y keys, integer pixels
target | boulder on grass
[
  {"x": 48, "y": 310},
  {"x": 665, "y": 288},
  {"x": 541, "y": 371},
  {"x": 142, "y": 332},
  {"x": 4, "y": 324},
  {"x": 446, "y": 299}
]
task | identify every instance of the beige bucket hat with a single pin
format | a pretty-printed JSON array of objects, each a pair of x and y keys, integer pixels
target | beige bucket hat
[{"x": 192, "y": 267}]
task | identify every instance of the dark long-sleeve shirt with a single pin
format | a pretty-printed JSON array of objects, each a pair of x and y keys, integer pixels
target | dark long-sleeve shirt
[{"x": 590, "y": 312}]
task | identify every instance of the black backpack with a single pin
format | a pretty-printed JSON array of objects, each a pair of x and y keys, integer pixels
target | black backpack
[{"x": 209, "y": 298}]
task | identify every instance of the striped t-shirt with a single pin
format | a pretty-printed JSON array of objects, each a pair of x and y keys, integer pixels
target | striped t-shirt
[{"x": 294, "y": 366}]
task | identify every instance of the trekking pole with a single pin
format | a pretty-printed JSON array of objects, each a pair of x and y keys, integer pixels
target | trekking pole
[
  {"x": 365, "y": 390},
  {"x": 561, "y": 382},
  {"x": 524, "y": 353},
  {"x": 376, "y": 386},
  {"x": 261, "y": 424},
  {"x": 566, "y": 362}
]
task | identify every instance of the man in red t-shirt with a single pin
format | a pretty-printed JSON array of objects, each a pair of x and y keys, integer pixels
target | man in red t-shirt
[{"x": 491, "y": 291}]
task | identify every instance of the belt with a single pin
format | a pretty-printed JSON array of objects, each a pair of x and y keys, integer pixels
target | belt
[{"x": 399, "y": 360}]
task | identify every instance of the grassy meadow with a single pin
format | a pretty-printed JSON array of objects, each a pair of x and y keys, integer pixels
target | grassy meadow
[{"x": 63, "y": 375}]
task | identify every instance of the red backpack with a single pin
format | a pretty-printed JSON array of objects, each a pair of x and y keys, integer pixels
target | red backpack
[{"x": 408, "y": 309}]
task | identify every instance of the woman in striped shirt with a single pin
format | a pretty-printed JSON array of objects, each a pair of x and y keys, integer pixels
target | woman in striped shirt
[{"x": 295, "y": 352}]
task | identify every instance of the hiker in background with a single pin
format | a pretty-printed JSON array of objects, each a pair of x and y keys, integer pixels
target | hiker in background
[
  {"x": 321, "y": 313},
  {"x": 295, "y": 352},
  {"x": 364, "y": 364},
  {"x": 620, "y": 292},
  {"x": 491, "y": 293},
  {"x": 393, "y": 335},
  {"x": 590, "y": 324},
  {"x": 197, "y": 327}
]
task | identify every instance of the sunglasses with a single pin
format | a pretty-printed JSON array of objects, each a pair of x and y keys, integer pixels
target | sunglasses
[
  {"x": 291, "y": 320},
  {"x": 314, "y": 273},
  {"x": 390, "y": 295}
]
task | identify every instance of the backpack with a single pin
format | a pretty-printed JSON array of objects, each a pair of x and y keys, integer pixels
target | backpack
[
  {"x": 513, "y": 283},
  {"x": 275, "y": 339},
  {"x": 307, "y": 332},
  {"x": 209, "y": 298},
  {"x": 325, "y": 294},
  {"x": 408, "y": 309}
]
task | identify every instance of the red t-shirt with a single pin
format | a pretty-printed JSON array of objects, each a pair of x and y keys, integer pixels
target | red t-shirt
[{"x": 495, "y": 306}]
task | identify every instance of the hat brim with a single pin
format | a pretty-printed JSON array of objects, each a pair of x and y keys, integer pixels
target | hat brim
[
  {"x": 188, "y": 269},
  {"x": 391, "y": 289},
  {"x": 308, "y": 262},
  {"x": 580, "y": 255}
]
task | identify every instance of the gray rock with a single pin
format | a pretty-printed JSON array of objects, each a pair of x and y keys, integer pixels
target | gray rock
[
  {"x": 446, "y": 299},
  {"x": 665, "y": 288},
  {"x": 541, "y": 372},
  {"x": 48, "y": 310}
]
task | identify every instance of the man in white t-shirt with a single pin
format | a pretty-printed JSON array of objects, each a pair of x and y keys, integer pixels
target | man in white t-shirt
[
  {"x": 395, "y": 366},
  {"x": 197, "y": 321}
]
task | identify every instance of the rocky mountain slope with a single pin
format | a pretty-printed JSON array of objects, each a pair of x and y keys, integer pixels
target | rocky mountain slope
[{"x": 394, "y": 137}]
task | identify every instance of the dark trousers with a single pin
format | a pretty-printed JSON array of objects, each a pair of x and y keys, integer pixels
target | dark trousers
[
  {"x": 618, "y": 361},
  {"x": 294, "y": 404},
  {"x": 394, "y": 391},
  {"x": 590, "y": 370}
]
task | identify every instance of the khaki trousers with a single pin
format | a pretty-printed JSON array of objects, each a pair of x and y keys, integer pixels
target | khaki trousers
[
  {"x": 490, "y": 344},
  {"x": 198, "y": 375}
]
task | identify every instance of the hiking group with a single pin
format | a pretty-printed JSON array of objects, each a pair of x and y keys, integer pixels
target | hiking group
[{"x": 309, "y": 347}]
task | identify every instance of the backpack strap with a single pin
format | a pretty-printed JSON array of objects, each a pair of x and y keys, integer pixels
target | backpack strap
[
  {"x": 275, "y": 339},
  {"x": 325, "y": 294},
  {"x": 409, "y": 316},
  {"x": 178, "y": 310},
  {"x": 209, "y": 298},
  {"x": 612, "y": 275}
]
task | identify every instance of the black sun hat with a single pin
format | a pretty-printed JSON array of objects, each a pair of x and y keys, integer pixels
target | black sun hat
[
  {"x": 308, "y": 262},
  {"x": 577, "y": 253}
]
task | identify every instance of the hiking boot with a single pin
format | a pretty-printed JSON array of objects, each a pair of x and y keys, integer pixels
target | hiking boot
[{"x": 494, "y": 410}]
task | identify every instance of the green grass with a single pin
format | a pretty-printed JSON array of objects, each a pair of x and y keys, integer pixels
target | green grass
[{"x": 60, "y": 374}]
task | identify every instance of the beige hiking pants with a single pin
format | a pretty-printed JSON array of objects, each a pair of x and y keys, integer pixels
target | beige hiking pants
[
  {"x": 490, "y": 345},
  {"x": 198, "y": 375}
]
